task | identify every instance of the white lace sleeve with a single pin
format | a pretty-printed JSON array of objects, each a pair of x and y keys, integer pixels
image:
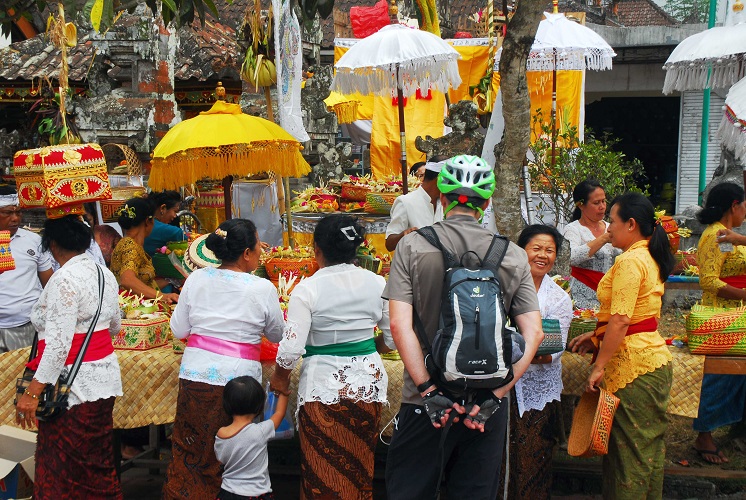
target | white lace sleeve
[
  {"x": 180, "y": 326},
  {"x": 274, "y": 322},
  {"x": 578, "y": 248},
  {"x": 561, "y": 309},
  {"x": 293, "y": 343},
  {"x": 60, "y": 299}
]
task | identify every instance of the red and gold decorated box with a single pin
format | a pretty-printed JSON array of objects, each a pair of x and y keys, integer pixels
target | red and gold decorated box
[{"x": 61, "y": 178}]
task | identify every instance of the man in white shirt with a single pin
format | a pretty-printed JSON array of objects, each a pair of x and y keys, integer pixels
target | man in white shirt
[
  {"x": 417, "y": 209},
  {"x": 21, "y": 287}
]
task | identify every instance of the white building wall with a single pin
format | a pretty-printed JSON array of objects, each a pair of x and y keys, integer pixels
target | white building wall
[{"x": 689, "y": 146}]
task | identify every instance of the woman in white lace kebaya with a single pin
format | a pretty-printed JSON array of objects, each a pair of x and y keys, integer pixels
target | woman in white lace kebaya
[
  {"x": 534, "y": 416},
  {"x": 222, "y": 313},
  {"x": 74, "y": 454},
  {"x": 331, "y": 318},
  {"x": 591, "y": 253}
]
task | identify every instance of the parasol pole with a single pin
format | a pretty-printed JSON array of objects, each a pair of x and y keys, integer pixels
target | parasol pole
[
  {"x": 402, "y": 133},
  {"x": 228, "y": 179},
  {"x": 555, "y": 10},
  {"x": 704, "y": 134}
]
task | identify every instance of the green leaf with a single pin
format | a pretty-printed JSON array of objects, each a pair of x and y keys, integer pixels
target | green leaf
[
  {"x": 211, "y": 6},
  {"x": 97, "y": 13},
  {"x": 171, "y": 5}
]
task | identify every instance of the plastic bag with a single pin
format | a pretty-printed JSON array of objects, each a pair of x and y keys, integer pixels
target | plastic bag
[
  {"x": 286, "y": 429},
  {"x": 367, "y": 20}
]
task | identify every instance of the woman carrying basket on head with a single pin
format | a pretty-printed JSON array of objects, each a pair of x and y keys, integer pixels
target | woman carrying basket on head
[
  {"x": 631, "y": 358},
  {"x": 722, "y": 277},
  {"x": 591, "y": 253}
]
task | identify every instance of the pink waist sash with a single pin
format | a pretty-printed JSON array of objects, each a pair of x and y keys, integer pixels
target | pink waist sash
[{"x": 225, "y": 347}]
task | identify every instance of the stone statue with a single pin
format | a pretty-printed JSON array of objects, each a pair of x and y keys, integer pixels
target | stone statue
[
  {"x": 729, "y": 170},
  {"x": 464, "y": 137},
  {"x": 333, "y": 160}
]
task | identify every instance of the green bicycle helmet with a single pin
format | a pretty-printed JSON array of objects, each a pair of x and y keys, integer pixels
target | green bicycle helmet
[{"x": 469, "y": 176}]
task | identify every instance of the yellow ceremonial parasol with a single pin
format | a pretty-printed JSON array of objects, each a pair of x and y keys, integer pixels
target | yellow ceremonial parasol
[{"x": 224, "y": 142}]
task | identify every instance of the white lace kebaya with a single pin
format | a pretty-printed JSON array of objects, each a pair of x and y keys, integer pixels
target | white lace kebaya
[
  {"x": 542, "y": 384},
  {"x": 67, "y": 306},
  {"x": 338, "y": 304}
]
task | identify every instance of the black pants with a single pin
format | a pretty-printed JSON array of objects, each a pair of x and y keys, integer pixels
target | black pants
[
  {"x": 472, "y": 459},
  {"x": 227, "y": 495}
]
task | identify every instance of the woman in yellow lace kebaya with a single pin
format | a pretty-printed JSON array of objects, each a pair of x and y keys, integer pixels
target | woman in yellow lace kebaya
[
  {"x": 632, "y": 360},
  {"x": 130, "y": 264},
  {"x": 722, "y": 276}
]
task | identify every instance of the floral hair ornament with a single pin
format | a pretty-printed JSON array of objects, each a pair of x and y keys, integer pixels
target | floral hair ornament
[
  {"x": 658, "y": 215},
  {"x": 349, "y": 233},
  {"x": 578, "y": 204},
  {"x": 127, "y": 212},
  {"x": 221, "y": 232}
]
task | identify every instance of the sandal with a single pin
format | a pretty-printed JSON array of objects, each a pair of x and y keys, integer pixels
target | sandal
[{"x": 704, "y": 454}]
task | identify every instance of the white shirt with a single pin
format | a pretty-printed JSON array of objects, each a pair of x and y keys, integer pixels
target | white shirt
[
  {"x": 542, "y": 384},
  {"x": 579, "y": 236},
  {"x": 244, "y": 456},
  {"x": 20, "y": 288},
  {"x": 338, "y": 304},
  {"x": 93, "y": 251},
  {"x": 66, "y": 307},
  {"x": 413, "y": 210},
  {"x": 227, "y": 305}
]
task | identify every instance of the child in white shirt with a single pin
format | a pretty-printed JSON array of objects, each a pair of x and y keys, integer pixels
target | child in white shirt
[{"x": 242, "y": 446}]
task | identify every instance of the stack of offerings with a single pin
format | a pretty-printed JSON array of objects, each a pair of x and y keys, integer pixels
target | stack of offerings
[
  {"x": 61, "y": 178},
  {"x": 145, "y": 324}
]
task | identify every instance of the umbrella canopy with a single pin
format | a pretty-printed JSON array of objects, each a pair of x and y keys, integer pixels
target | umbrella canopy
[
  {"x": 423, "y": 60},
  {"x": 222, "y": 142},
  {"x": 718, "y": 51},
  {"x": 732, "y": 130}
]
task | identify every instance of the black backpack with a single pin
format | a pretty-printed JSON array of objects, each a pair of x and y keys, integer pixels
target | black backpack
[{"x": 472, "y": 348}]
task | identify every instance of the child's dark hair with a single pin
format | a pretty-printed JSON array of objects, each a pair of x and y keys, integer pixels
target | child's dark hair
[
  {"x": 243, "y": 396},
  {"x": 638, "y": 207},
  {"x": 720, "y": 199},
  {"x": 232, "y": 238},
  {"x": 338, "y": 237}
]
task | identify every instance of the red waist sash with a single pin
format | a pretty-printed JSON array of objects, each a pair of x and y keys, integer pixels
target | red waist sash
[
  {"x": 646, "y": 325},
  {"x": 98, "y": 348},
  {"x": 736, "y": 281},
  {"x": 588, "y": 277}
]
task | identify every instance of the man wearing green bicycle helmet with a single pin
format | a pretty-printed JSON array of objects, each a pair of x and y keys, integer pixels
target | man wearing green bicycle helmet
[{"x": 473, "y": 445}]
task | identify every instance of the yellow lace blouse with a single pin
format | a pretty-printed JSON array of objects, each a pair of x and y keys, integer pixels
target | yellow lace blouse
[
  {"x": 633, "y": 288},
  {"x": 713, "y": 264},
  {"x": 129, "y": 255}
]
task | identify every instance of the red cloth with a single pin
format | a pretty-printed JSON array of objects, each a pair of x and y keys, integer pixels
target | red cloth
[
  {"x": 646, "y": 325},
  {"x": 98, "y": 348},
  {"x": 367, "y": 20},
  {"x": 736, "y": 281},
  {"x": 588, "y": 277}
]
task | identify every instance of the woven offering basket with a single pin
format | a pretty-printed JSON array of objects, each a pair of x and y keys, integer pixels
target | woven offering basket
[
  {"x": 301, "y": 267},
  {"x": 717, "y": 331},
  {"x": 380, "y": 203},
  {"x": 142, "y": 334},
  {"x": 118, "y": 197},
  {"x": 6, "y": 258},
  {"x": 591, "y": 424},
  {"x": 178, "y": 345},
  {"x": 579, "y": 326},
  {"x": 354, "y": 192}
]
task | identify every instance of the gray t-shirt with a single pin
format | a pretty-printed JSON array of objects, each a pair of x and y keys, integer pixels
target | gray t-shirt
[
  {"x": 417, "y": 272},
  {"x": 244, "y": 456}
]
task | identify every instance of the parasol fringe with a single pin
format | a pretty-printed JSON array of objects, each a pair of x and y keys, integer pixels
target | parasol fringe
[
  {"x": 182, "y": 168},
  {"x": 346, "y": 111},
  {"x": 425, "y": 72},
  {"x": 683, "y": 76},
  {"x": 732, "y": 133},
  {"x": 567, "y": 59}
]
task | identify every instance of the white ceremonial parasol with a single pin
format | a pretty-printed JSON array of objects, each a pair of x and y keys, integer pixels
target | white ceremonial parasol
[
  {"x": 563, "y": 44},
  {"x": 732, "y": 129},
  {"x": 717, "y": 52},
  {"x": 400, "y": 60}
]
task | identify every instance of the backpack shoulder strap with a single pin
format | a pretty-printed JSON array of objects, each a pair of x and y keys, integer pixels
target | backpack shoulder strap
[
  {"x": 495, "y": 253},
  {"x": 427, "y": 232}
]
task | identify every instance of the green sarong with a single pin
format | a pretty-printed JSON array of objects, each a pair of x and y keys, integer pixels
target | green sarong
[{"x": 633, "y": 469}]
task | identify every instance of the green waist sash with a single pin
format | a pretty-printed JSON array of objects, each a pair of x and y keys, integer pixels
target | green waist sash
[{"x": 359, "y": 348}]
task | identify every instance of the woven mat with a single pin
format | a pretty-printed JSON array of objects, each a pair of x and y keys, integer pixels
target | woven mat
[
  {"x": 150, "y": 382},
  {"x": 688, "y": 370}
]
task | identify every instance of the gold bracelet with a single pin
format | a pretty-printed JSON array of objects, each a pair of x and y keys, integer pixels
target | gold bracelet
[{"x": 32, "y": 395}]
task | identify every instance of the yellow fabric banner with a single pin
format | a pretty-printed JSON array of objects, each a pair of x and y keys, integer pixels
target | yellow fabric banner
[{"x": 472, "y": 67}]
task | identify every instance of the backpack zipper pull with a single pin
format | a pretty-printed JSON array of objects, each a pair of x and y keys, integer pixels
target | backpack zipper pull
[{"x": 476, "y": 320}]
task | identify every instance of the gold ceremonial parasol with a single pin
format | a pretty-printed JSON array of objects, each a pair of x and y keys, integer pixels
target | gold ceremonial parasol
[{"x": 224, "y": 142}]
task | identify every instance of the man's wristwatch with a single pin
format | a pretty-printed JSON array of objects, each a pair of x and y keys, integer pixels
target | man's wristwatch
[{"x": 425, "y": 385}]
